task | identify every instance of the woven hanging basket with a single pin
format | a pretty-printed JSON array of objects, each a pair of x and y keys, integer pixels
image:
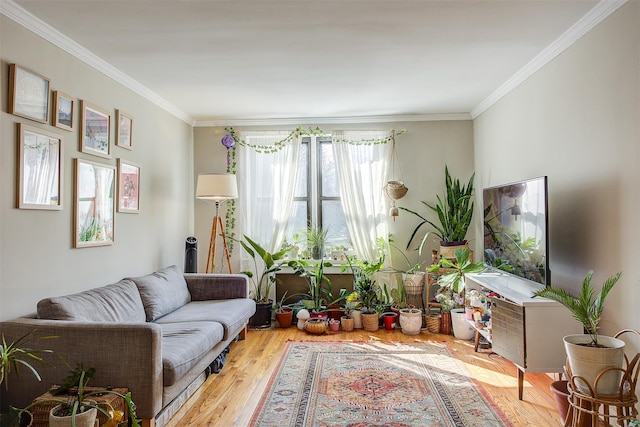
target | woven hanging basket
[{"x": 396, "y": 190}]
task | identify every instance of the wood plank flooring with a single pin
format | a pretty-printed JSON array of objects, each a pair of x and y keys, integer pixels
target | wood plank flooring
[{"x": 230, "y": 397}]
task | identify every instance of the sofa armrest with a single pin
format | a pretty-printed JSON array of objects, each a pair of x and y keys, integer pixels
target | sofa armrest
[
  {"x": 217, "y": 286},
  {"x": 124, "y": 355}
]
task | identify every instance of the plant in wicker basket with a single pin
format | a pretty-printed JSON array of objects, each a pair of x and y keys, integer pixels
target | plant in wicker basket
[{"x": 79, "y": 400}]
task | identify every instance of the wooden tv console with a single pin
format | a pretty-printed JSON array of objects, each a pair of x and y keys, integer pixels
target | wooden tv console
[{"x": 527, "y": 331}]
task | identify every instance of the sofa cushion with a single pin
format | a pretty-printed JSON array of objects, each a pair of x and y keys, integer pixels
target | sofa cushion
[
  {"x": 118, "y": 302},
  {"x": 162, "y": 292},
  {"x": 183, "y": 346},
  {"x": 232, "y": 314}
]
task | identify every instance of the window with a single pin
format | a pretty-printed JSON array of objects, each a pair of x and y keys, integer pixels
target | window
[{"x": 317, "y": 193}]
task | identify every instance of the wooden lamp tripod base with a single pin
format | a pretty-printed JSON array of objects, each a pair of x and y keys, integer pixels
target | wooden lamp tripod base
[{"x": 211, "y": 258}]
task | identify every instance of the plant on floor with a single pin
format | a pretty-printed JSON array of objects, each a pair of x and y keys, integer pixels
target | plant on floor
[
  {"x": 587, "y": 308},
  {"x": 319, "y": 286},
  {"x": 270, "y": 263},
  {"x": 454, "y": 212},
  {"x": 79, "y": 399}
]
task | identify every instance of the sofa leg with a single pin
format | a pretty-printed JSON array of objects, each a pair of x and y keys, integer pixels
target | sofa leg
[
  {"x": 243, "y": 332},
  {"x": 146, "y": 422}
]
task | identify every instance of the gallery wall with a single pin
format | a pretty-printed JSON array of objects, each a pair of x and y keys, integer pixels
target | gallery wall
[
  {"x": 37, "y": 258},
  {"x": 576, "y": 121},
  {"x": 422, "y": 152}
]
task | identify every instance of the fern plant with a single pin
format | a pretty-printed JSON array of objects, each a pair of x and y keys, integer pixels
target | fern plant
[{"x": 588, "y": 306}]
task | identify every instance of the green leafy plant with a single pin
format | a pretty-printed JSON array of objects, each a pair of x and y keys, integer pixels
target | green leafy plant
[
  {"x": 17, "y": 354},
  {"x": 588, "y": 306},
  {"x": 454, "y": 277},
  {"x": 80, "y": 399},
  {"x": 454, "y": 212},
  {"x": 316, "y": 240},
  {"x": 319, "y": 286},
  {"x": 271, "y": 263}
]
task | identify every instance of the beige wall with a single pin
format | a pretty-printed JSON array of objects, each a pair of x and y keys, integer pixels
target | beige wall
[
  {"x": 576, "y": 121},
  {"x": 36, "y": 255},
  {"x": 422, "y": 152}
]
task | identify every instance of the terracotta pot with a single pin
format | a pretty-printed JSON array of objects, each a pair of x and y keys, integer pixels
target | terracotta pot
[
  {"x": 284, "y": 315},
  {"x": 445, "y": 323},
  {"x": 370, "y": 322},
  {"x": 334, "y": 325}
]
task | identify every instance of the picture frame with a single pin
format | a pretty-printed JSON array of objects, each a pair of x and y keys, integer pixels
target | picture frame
[
  {"x": 94, "y": 213},
  {"x": 28, "y": 94},
  {"x": 63, "y": 106},
  {"x": 40, "y": 169},
  {"x": 95, "y": 132},
  {"x": 124, "y": 129},
  {"x": 128, "y": 187}
]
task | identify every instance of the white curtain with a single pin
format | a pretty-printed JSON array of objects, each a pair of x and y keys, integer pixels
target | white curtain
[
  {"x": 266, "y": 183},
  {"x": 363, "y": 172}
]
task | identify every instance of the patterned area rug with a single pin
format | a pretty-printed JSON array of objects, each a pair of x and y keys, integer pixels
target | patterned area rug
[{"x": 373, "y": 384}]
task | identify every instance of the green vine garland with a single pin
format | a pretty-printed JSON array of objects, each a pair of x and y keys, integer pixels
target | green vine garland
[{"x": 230, "y": 220}]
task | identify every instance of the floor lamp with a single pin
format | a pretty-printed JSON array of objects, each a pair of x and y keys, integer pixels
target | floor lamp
[{"x": 216, "y": 188}]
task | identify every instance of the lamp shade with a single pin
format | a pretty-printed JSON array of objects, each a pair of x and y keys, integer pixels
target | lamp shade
[{"x": 216, "y": 186}]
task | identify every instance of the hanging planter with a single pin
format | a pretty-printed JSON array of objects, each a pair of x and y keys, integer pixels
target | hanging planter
[{"x": 395, "y": 189}]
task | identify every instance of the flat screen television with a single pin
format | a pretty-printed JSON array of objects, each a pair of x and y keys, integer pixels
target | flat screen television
[{"x": 516, "y": 229}]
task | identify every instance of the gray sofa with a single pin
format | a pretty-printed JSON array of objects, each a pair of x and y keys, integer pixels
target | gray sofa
[{"x": 157, "y": 335}]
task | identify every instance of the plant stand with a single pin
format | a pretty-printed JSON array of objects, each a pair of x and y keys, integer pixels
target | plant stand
[{"x": 592, "y": 409}]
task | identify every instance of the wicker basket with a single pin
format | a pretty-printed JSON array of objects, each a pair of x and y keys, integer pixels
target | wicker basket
[
  {"x": 41, "y": 411},
  {"x": 396, "y": 190},
  {"x": 433, "y": 323},
  {"x": 315, "y": 326}
]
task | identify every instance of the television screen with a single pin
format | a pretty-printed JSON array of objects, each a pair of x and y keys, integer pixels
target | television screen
[{"x": 516, "y": 229}]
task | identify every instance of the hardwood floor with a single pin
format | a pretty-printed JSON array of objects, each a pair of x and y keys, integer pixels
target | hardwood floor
[{"x": 230, "y": 397}]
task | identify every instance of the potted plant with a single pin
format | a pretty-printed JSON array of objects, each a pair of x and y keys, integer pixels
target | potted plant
[
  {"x": 12, "y": 356},
  {"x": 270, "y": 263},
  {"x": 591, "y": 353},
  {"x": 78, "y": 410},
  {"x": 320, "y": 289},
  {"x": 316, "y": 241},
  {"x": 284, "y": 314},
  {"x": 453, "y": 278},
  {"x": 454, "y": 212}
]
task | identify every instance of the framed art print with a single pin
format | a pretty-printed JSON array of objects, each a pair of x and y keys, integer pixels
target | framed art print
[
  {"x": 63, "y": 110},
  {"x": 128, "y": 187},
  {"x": 39, "y": 169},
  {"x": 95, "y": 130},
  {"x": 124, "y": 129},
  {"x": 94, "y": 215},
  {"x": 28, "y": 94}
]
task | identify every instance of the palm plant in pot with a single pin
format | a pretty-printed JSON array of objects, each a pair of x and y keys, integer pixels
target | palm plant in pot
[
  {"x": 591, "y": 353},
  {"x": 269, "y": 264},
  {"x": 454, "y": 212},
  {"x": 319, "y": 296}
]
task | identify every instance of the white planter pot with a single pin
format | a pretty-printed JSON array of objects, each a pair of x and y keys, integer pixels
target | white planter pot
[
  {"x": 411, "y": 321},
  {"x": 83, "y": 419},
  {"x": 357, "y": 319},
  {"x": 589, "y": 362},
  {"x": 461, "y": 327},
  {"x": 413, "y": 283}
]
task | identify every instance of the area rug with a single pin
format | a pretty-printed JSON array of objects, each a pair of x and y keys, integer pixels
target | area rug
[{"x": 373, "y": 384}]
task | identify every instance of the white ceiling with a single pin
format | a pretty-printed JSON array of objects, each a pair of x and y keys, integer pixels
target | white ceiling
[{"x": 234, "y": 60}]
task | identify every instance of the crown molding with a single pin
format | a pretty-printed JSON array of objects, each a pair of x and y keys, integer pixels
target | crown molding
[
  {"x": 595, "y": 16},
  {"x": 331, "y": 120},
  {"x": 14, "y": 12}
]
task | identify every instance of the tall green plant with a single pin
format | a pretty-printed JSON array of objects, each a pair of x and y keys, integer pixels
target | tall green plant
[
  {"x": 320, "y": 288},
  {"x": 588, "y": 306},
  {"x": 454, "y": 212},
  {"x": 271, "y": 262},
  {"x": 17, "y": 353}
]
